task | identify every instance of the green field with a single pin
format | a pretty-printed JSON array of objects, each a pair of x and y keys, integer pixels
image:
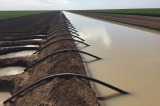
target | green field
[
  {"x": 150, "y": 12},
  {"x": 4, "y": 15}
]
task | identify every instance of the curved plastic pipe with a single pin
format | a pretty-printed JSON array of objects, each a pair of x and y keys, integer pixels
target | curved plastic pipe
[
  {"x": 58, "y": 41},
  {"x": 64, "y": 75},
  {"x": 61, "y": 35},
  {"x": 61, "y": 51}
]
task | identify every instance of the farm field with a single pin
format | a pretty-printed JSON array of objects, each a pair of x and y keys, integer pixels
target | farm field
[
  {"x": 79, "y": 52},
  {"x": 145, "y": 12},
  {"x": 14, "y": 14},
  {"x": 47, "y": 36}
]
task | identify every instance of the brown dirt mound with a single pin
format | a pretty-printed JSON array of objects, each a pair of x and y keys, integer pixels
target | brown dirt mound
[{"x": 57, "y": 92}]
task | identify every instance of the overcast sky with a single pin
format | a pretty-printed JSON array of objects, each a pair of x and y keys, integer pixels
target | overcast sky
[{"x": 76, "y": 4}]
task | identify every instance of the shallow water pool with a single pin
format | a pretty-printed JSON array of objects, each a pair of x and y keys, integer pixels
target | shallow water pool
[
  {"x": 4, "y": 96},
  {"x": 7, "y": 71},
  {"x": 18, "y": 54}
]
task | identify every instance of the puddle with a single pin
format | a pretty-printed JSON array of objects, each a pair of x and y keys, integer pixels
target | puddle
[
  {"x": 14, "y": 70},
  {"x": 30, "y": 46},
  {"x": 11, "y": 71},
  {"x": 39, "y": 35},
  {"x": 7, "y": 72},
  {"x": 3, "y": 97},
  {"x": 21, "y": 46},
  {"x": 37, "y": 39},
  {"x": 18, "y": 54}
]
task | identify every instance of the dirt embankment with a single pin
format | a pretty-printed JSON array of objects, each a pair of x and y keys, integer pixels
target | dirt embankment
[
  {"x": 57, "y": 92},
  {"x": 136, "y": 20}
]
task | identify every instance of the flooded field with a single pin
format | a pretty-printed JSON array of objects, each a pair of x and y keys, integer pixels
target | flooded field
[
  {"x": 11, "y": 71},
  {"x": 4, "y": 96},
  {"x": 37, "y": 39},
  {"x": 130, "y": 60},
  {"x": 30, "y": 46},
  {"x": 7, "y": 71},
  {"x": 22, "y": 46},
  {"x": 18, "y": 54}
]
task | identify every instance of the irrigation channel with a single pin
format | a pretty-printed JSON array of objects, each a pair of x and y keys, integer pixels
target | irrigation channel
[
  {"x": 130, "y": 60},
  {"x": 40, "y": 63}
]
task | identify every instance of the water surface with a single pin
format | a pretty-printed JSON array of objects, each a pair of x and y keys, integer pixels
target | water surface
[
  {"x": 21, "y": 46},
  {"x": 4, "y": 96},
  {"x": 7, "y": 71},
  {"x": 18, "y": 54},
  {"x": 37, "y": 39},
  {"x": 131, "y": 60}
]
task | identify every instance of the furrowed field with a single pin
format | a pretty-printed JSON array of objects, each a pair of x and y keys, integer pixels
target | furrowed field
[
  {"x": 148, "y": 12},
  {"x": 14, "y": 14}
]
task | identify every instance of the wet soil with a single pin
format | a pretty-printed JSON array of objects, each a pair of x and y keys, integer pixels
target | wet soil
[
  {"x": 57, "y": 92},
  {"x": 150, "y": 22}
]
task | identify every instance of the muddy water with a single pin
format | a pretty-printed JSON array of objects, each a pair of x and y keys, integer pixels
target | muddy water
[
  {"x": 7, "y": 72},
  {"x": 18, "y": 54},
  {"x": 30, "y": 46},
  {"x": 21, "y": 46},
  {"x": 131, "y": 60},
  {"x": 4, "y": 96},
  {"x": 11, "y": 71},
  {"x": 37, "y": 39}
]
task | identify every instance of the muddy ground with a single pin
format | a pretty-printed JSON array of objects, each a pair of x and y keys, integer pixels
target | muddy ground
[
  {"x": 57, "y": 92},
  {"x": 149, "y": 22}
]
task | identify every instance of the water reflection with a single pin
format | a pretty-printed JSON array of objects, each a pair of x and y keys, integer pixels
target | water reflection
[
  {"x": 30, "y": 46},
  {"x": 11, "y": 71},
  {"x": 39, "y": 35},
  {"x": 37, "y": 39},
  {"x": 107, "y": 97},
  {"x": 4, "y": 96},
  {"x": 21, "y": 46},
  {"x": 100, "y": 34},
  {"x": 18, "y": 54},
  {"x": 131, "y": 60}
]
